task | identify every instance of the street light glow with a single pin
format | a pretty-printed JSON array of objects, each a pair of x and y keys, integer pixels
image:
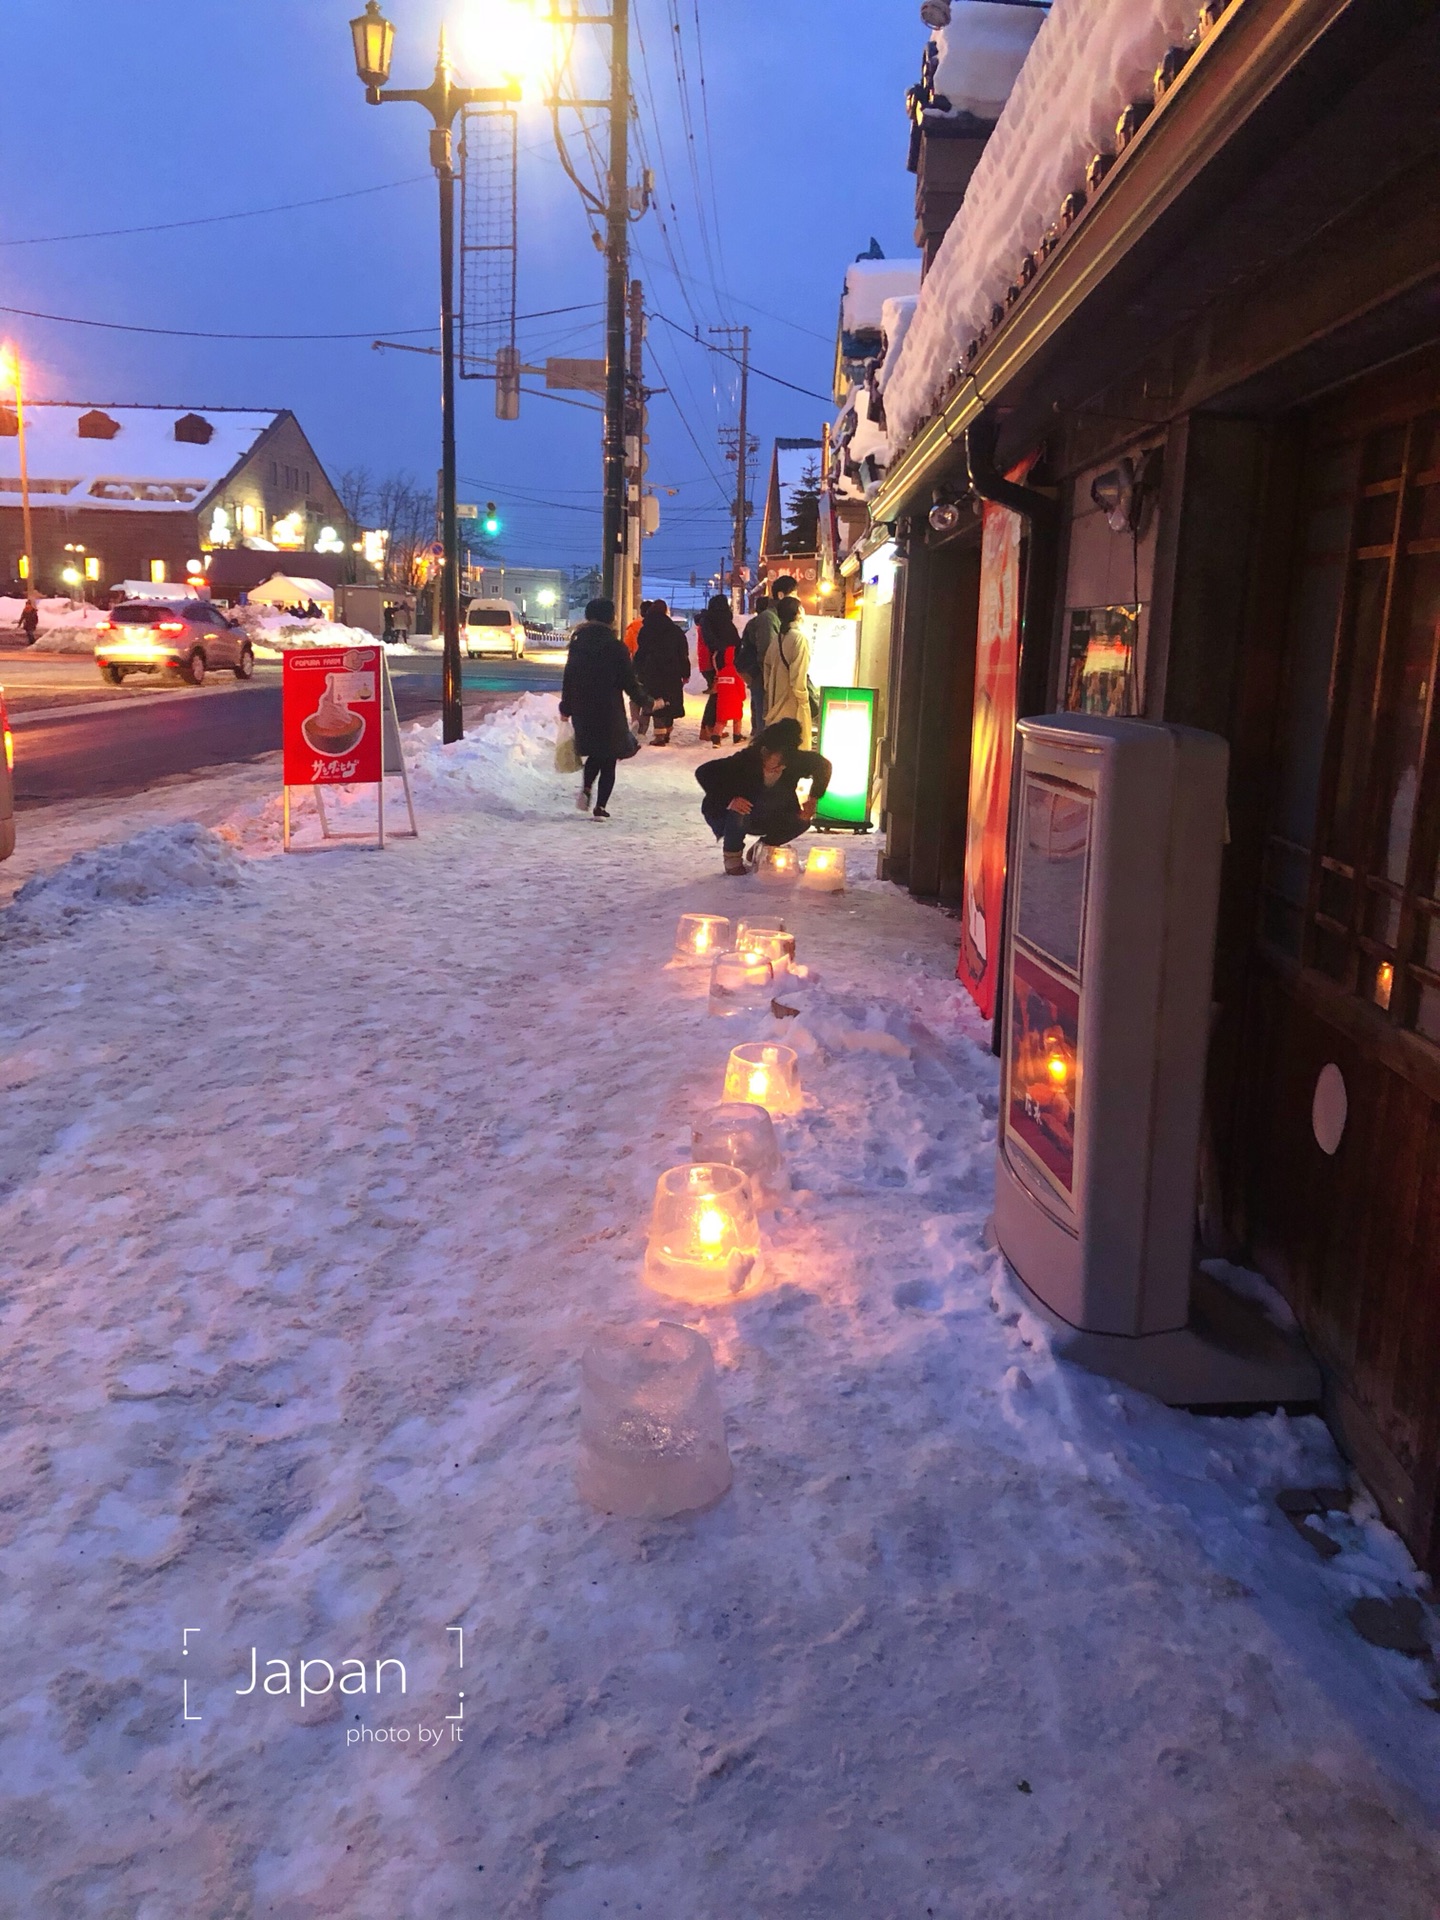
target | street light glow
[{"x": 508, "y": 40}]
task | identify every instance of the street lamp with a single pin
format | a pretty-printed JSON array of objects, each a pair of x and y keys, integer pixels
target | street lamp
[
  {"x": 10, "y": 376},
  {"x": 374, "y": 39}
]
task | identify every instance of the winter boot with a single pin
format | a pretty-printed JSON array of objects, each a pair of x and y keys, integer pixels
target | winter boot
[
  {"x": 734, "y": 863},
  {"x": 601, "y": 813},
  {"x": 582, "y": 800}
]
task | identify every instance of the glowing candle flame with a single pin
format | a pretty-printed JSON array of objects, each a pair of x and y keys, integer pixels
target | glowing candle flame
[
  {"x": 1384, "y": 983},
  {"x": 759, "y": 1084},
  {"x": 1057, "y": 1069},
  {"x": 710, "y": 1227}
]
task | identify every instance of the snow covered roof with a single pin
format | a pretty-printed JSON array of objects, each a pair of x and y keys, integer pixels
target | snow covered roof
[
  {"x": 1089, "y": 60},
  {"x": 129, "y": 456},
  {"x": 868, "y": 285},
  {"x": 980, "y": 54},
  {"x": 895, "y": 319},
  {"x": 282, "y": 588}
]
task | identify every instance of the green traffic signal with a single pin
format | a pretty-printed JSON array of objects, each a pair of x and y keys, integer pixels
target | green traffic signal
[{"x": 492, "y": 518}]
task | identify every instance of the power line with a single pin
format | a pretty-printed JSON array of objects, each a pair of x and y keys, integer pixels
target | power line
[
  {"x": 213, "y": 219},
  {"x": 725, "y": 354},
  {"x": 184, "y": 333}
]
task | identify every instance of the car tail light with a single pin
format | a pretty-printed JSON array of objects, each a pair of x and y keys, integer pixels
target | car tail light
[
  {"x": 106, "y": 626},
  {"x": 170, "y": 626}
]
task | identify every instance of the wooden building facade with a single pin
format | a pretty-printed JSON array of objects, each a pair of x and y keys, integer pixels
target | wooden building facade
[{"x": 1221, "y": 388}]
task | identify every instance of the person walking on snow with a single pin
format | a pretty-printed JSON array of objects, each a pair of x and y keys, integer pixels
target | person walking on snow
[
  {"x": 599, "y": 673},
  {"x": 729, "y": 697},
  {"x": 662, "y": 660},
  {"x": 30, "y": 620},
  {"x": 761, "y": 631},
  {"x": 718, "y": 639},
  {"x": 638, "y": 719},
  {"x": 754, "y": 792},
  {"x": 787, "y": 673}
]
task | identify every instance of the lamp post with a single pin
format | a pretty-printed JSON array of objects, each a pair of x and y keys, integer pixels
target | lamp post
[
  {"x": 374, "y": 38},
  {"x": 11, "y": 375}
]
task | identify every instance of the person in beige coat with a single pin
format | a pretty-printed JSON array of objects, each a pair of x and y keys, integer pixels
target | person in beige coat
[{"x": 787, "y": 673}]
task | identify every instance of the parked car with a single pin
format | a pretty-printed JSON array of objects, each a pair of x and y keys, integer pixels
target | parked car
[
  {"x": 494, "y": 626},
  {"x": 7, "y": 783},
  {"x": 185, "y": 637}
]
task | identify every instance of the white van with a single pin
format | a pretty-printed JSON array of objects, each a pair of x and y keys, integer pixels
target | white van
[{"x": 494, "y": 626}]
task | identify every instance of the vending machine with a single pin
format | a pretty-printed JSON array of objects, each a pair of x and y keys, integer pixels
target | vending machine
[{"x": 1115, "y": 850}]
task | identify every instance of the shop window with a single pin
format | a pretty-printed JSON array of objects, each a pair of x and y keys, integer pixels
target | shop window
[{"x": 1352, "y": 876}]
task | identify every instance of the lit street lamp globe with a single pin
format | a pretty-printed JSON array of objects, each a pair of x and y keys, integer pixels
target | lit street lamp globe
[{"x": 374, "y": 38}]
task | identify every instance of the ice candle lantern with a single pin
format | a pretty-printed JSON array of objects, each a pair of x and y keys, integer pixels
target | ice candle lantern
[
  {"x": 700, "y": 936},
  {"x": 824, "y": 870},
  {"x": 769, "y": 938},
  {"x": 741, "y": 981},
  {"x": 704, "y": 1243},
  {"x": 743, "y": 1136},
  {"x": 652, "y": 1433},
  {"x": 763, "y": 1075},
  {"x": 777, "y": 866}
]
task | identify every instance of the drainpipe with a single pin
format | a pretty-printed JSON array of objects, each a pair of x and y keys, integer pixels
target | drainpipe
[{"x": 1041, "y": 514}]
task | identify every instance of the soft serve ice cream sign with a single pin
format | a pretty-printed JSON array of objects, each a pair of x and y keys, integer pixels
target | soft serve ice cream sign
[{"x": 332, "y": 716}]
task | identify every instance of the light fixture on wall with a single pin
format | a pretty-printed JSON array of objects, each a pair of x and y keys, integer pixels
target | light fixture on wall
[
  {"x": 1123, "y": 493},
  {"x": 944, "y": 515}
]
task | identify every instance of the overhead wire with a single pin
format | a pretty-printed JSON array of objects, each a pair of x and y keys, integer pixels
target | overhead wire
[{"x": 212, "y": 219}]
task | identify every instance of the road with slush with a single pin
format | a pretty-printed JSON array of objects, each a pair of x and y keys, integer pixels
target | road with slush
[{"x": 76, "y": 737}]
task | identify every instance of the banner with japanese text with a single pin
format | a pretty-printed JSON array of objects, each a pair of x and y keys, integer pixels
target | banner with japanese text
[
  {"x": 997, "y": 645},
  {"x": 331, "y": 724}
]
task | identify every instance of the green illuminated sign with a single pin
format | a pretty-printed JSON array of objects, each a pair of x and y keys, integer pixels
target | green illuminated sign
[{"x": 847, "y": 740}]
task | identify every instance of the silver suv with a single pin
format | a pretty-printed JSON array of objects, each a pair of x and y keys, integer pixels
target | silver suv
[{"x": 186, "y": 637}]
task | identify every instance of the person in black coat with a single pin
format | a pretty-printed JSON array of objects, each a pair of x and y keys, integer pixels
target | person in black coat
[
  {"x": 755, "y": 792},
  {"x": 662, "y": 660},
  {"x": 599, "y": 673}
]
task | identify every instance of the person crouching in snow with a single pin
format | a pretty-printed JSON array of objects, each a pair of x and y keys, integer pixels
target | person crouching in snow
[
  {"x": 753, "y": 792},
  {"x": 598, "y": 675},
  {"x": 662, "y": 660}
]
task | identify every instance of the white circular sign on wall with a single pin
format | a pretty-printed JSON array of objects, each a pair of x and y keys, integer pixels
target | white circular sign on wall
[{"x": 1330, "y": 1108}]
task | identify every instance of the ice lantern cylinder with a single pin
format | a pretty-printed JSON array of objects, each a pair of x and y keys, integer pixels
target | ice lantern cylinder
[
  {"x": 766, "y": 1076},
  {"x": 777, "y": 866},
  {"x": 770, "y": 938},
  {"x": 700, "y": 936},
  {"x": 824, "y": 870},
  {"x": 652, "y": 1433},
  {"x": 743, "y": 1136},
  {"x": 741, "y": 982},
  {"x": 704, "y": 1244}
]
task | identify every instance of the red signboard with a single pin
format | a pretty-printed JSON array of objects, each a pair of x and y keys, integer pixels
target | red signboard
[
  {"x": 332, "y": 716},
  {"x": 1044, "y": 1066},
  {"x": 992, "y": 736}
]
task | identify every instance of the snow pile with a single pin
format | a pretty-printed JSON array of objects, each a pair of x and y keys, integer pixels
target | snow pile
[
  {"x": 272, "y": 632},
  {"x": 506, "y": 766},
  {"x": 161, "y": 865},
  {"x": 1090, "y": 59},
  {"x": 66, "y": 626},
  {"x": 868, "y": 285},
  {"x": 896, "y": 316},
  {"x": 981, "y": 52}
]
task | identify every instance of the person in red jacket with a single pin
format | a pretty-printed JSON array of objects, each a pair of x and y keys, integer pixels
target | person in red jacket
[{"x": 717, "y": 639}]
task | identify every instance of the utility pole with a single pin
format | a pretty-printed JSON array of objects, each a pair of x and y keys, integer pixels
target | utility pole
[
  {"x": 617, "y": 262},
  {"x": 635, "y": 458},
  {"x": 739, "y": 563}
]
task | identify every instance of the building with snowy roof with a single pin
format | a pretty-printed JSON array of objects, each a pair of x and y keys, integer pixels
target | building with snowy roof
[
  {"x": 790, "y": 525},
  {"x": 1163, "y": 441},
  {"x": 123, "y": 492}
]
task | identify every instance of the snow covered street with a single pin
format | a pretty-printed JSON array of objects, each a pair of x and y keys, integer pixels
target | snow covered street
[{"x": 315, "y": 1175}]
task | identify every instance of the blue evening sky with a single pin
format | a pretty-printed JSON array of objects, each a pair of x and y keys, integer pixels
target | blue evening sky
[{"x": 125, "y": 115}]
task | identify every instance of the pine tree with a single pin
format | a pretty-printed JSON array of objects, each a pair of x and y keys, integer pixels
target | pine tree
[{"x": 801, "y": 532}]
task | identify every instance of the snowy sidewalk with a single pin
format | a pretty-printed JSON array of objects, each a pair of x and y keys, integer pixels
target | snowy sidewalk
[{"x": 315, "y": 1174}]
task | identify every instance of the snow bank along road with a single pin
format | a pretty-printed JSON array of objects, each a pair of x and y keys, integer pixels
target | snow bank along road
[
  {"x": 130, "y": 739},
  {"x": 315, "y": 1174}
]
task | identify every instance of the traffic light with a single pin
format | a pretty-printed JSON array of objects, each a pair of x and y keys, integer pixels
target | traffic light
[{"x": 491, "y": 522}]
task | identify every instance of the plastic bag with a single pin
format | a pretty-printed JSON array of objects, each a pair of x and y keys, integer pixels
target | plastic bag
[{"x": 567, "y": 759}]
